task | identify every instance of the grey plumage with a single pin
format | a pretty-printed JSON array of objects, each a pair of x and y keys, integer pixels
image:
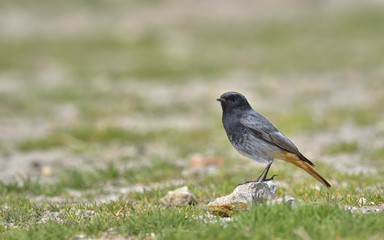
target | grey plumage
[
  {"x": 262, "y": 128},
  {"x": 255, "y": 137}
]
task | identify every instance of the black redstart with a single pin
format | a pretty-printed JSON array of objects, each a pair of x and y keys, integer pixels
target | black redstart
[{"x": 255, "y": 137}]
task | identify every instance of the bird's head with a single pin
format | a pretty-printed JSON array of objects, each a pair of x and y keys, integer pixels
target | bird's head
[{"x": 231, "y": 100}]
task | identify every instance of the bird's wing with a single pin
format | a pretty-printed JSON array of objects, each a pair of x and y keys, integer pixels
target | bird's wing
[{"x": 262, "y": 128}]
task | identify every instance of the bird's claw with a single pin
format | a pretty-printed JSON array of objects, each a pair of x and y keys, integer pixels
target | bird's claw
[
  {"x": 269, "y": 179},
  {"x": 258, "y": 180}
]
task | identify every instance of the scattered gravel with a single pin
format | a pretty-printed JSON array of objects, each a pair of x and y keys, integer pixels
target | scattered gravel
[{"x": 365, "y": 209}]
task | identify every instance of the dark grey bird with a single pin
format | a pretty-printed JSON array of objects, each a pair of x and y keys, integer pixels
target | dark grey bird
[{"x": 255, "y": 137}]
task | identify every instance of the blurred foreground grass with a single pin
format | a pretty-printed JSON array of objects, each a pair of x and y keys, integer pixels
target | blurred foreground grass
[{"x": 129, "y": 108}]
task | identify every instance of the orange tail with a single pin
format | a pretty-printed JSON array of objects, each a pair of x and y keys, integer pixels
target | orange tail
[{"x": 292, "y": 158}]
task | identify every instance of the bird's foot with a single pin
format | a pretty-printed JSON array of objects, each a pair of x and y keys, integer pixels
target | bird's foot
[
  {"x": 258, "y": 180},
  {"x": 269, "y": 179}
]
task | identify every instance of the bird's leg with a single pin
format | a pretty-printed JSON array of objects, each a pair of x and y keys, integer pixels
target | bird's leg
[
  {"x": 264, "y": 172},
  {"x": 265, "y": 179}
]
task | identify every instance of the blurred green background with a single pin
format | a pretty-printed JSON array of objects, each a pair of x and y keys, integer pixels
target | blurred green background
[{"x": 84, "y": 83}]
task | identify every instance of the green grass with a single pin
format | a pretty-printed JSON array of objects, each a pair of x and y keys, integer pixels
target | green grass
[
  {"x": 140, "y": 214},
  {"x": 263, "y": 221},
  {"x": 83, "y": 135},
  {"x": 85, "y": 138},
  {"x": 343, "y": 147}
]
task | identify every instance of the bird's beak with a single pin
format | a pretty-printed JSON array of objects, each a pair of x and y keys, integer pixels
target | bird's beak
[{"x": 221, "y": 99}]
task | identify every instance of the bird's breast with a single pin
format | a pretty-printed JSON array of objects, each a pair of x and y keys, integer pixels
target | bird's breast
[{"x": 251, "y": 146}]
